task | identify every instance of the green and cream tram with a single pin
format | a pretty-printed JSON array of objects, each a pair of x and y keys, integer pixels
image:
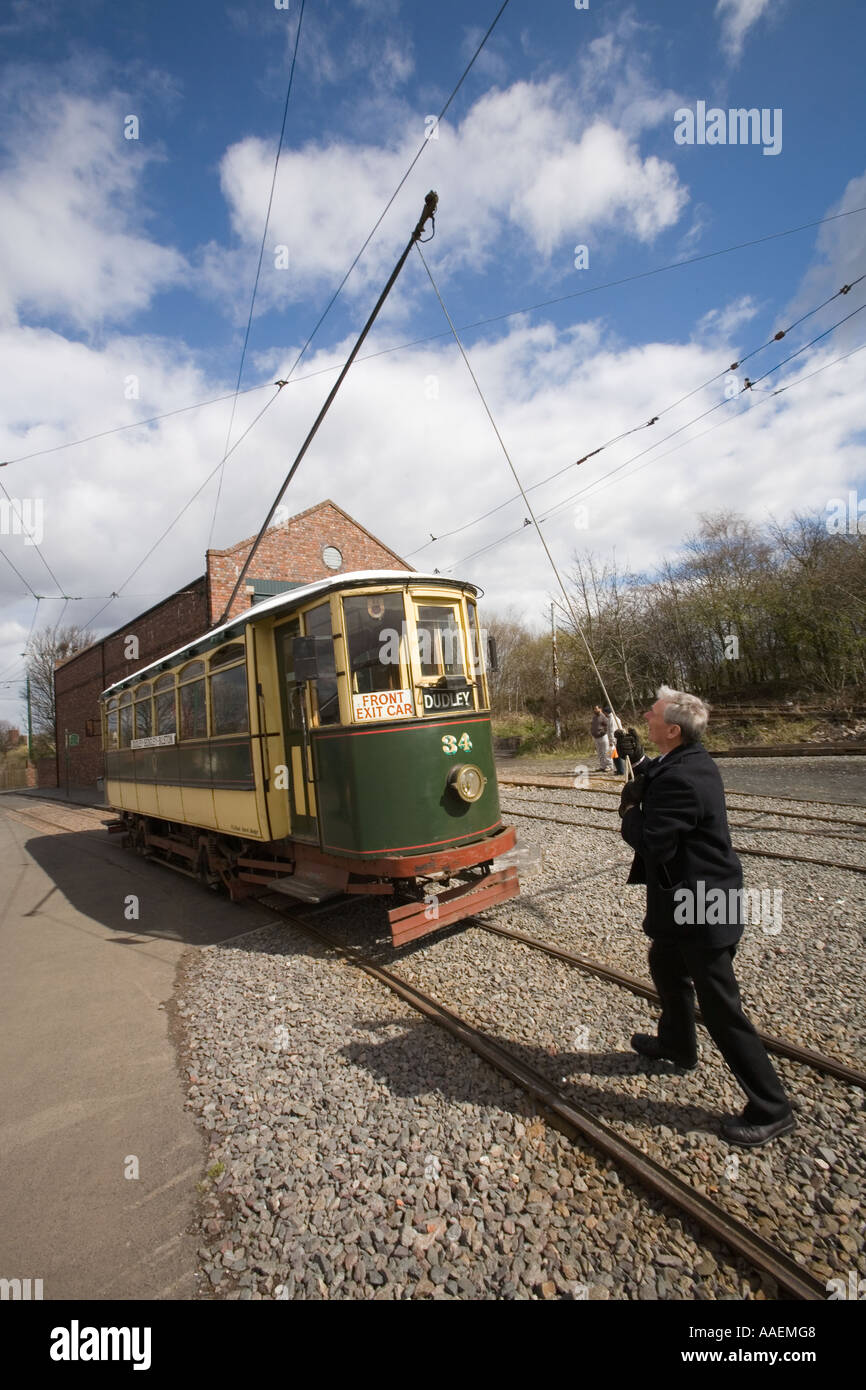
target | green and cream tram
[{"x": 333, "y": 739}]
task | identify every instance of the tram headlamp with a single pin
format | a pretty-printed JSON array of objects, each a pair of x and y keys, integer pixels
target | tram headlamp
[{"x": 468, "y": 781}]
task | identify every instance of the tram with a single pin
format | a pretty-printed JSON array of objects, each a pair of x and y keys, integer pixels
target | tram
[{"x": 331, "y": 740}]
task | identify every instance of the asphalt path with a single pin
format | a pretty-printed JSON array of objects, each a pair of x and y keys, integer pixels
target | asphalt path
[{"x": 90, "y": 1084}]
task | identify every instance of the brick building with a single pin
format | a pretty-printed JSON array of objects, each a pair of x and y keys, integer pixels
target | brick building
[{"x": 316, "y": 544}]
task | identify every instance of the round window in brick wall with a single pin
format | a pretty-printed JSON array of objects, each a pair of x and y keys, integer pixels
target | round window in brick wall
[{"x": 332, "y": 557}]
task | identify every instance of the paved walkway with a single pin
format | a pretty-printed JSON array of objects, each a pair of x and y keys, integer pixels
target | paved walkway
[{"x": 89, "y": 1072}]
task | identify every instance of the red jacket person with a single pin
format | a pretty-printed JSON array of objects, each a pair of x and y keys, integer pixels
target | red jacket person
[{"x": 675, "y": 819}]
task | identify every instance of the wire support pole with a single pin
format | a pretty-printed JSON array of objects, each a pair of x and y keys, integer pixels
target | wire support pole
[
  {"x": 429, "y": 213},
  {"x": 553, "y": 564}
]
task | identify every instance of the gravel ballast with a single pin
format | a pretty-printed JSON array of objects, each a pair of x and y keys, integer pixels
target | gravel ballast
[{"x": 357, "y": 1151}]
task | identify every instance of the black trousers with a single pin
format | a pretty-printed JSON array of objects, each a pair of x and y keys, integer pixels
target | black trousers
[{"x": 680, "y": 970}]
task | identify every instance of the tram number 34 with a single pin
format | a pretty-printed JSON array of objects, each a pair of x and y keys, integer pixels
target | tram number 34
[{"x": 450, "y": 744}]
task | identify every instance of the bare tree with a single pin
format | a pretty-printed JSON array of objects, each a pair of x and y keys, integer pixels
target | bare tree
[{"x": 45, "y": 649}]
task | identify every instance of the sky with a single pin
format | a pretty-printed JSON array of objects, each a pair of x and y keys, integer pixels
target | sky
[{"x": 588, "y": 171}]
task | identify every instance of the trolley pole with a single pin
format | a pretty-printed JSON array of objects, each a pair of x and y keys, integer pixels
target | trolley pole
[
  {"x": 557, "y": 713},
  {"x": 428, "y": 214}
]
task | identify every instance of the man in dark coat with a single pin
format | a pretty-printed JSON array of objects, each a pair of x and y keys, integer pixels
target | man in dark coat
[{"x": 674, "y": 817}]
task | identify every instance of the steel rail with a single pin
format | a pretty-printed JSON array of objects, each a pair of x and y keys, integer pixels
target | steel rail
[
  {"x": 832, "y": 1066},
  {"x": 788, "y": 815},
  {"x": 740, "y": 849},
  {"x": 762, "y": 1254},
  {"x": 564, "y": 781}
]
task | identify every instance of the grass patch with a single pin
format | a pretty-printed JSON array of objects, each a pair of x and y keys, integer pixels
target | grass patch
[{"x": 538, "y": 740}]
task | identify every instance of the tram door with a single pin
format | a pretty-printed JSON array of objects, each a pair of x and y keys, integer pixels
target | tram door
[{"x": 299, "y": 753}]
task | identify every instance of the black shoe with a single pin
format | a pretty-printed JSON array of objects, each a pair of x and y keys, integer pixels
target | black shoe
[
  {"x": 735, "y": 1129},
  {"x": 651, "y": 1047}
]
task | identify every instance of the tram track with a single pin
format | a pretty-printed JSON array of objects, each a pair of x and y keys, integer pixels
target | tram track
[
  {"x": 740, "y": 849},
  {"x": 573, "y": 1119},
  {"x": 757, "y": 815},
  {"x": 578, "y": 1122},
  {"x": 565, "y": 782},
  {"x": 818, "y": 1061}
]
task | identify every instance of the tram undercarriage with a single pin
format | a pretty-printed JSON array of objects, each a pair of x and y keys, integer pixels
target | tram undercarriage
[{"x": 244, "y": 868}]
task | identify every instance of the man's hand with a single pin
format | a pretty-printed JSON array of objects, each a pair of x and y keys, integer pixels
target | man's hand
[
  {"x": 631, "y": 795},
  {"x": 628, "y": 745}
]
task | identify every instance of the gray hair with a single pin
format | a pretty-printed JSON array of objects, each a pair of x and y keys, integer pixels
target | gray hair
[{"x": 690, "y": 712}]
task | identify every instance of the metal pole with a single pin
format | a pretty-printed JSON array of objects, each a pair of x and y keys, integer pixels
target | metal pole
[
  {"x": 29, "y": 723},
  {"x": 557, "y": 713},
  {"x": 66, "y": 749},
  {"x": 430, "y": 204}
]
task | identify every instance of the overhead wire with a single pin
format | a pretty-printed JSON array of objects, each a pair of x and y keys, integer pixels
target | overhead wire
[
  {"x": 572, "y": 497},
  {"x": 422, "y": 147},
  {"x": 533, "y": 519},
  {"x": 434, "y": 337},
  {"x": 30, "y": 536},
  {"x": 599, "y": 484},
  {"x": 116, "y": 594},
  {"x": 616, "y": 439},
  {"x": 25, "y": 582},
  {"x": 258, "y": 271},
  {"x": 134, "y": 425},
  {"x": 280, "y": 384},
  {"x": 516, "y": 477}
]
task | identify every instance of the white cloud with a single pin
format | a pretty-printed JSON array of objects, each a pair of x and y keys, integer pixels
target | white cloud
[
  {"x": 555, "y": 394},
  {"x": 841, "y": 247},
  {"x": 737, "y": 17},
  {"x": 525, "y": 161},
  {"x": 72, "y": 243},
  {"x": 721, "y": 323}
]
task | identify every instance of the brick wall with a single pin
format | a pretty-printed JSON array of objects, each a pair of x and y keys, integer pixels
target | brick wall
[
  {"x": 80, "y": 680},
  {"x": 292, "y": 551},
  {"x": 46, "y": 772}
]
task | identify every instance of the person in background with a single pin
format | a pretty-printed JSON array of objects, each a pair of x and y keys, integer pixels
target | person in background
[
  {"x": 598, "y": 729},
  {"x": 675, "y": 819},
  {"x": 612, "y": 725}
]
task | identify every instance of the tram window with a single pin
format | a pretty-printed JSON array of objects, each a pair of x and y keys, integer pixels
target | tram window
[
  {"x": 164, "y": 707},
  {"x": 326, "y": 705},
  {"x": 111, "y": 725},
  {"x": 226, "y": 655},
  {"x": 374, "y": 626},
  {"x": 440, "y": 641},
  {"x": 478, "y": 655},
  {"x": 143, "y": 712},
  {"x": 228, "y": 700},
  {"x": 193, "y": 701},
  {"x": 126, "y": 719}
]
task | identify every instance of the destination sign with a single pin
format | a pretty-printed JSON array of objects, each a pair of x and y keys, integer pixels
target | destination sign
[
  {"x": 436, "y": 700},
  {"x": 155, "y": 741}
]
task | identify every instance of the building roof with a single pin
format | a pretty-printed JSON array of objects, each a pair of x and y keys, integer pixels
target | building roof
[
  {"x": 203, "y": 578},
  {"x": 295, "y": 598},
  {"x": 299, "y": 516}
]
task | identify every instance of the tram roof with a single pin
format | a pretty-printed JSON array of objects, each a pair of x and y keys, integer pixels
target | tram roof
[{"x": 293, "y": 598}]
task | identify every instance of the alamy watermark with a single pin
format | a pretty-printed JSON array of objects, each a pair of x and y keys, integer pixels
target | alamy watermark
[
  {"x": 846, "y": 516},
  {"x": 24, "y": 517},
  {"x": 77, "y": 1343},
  {"x": 449, "y": 640},
  {"x": 737, "y": 126},
  {"x": 714, "y": 907},
  {"x": 855, "y": 1289},
  {"x": 16, "y": 1290}
]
